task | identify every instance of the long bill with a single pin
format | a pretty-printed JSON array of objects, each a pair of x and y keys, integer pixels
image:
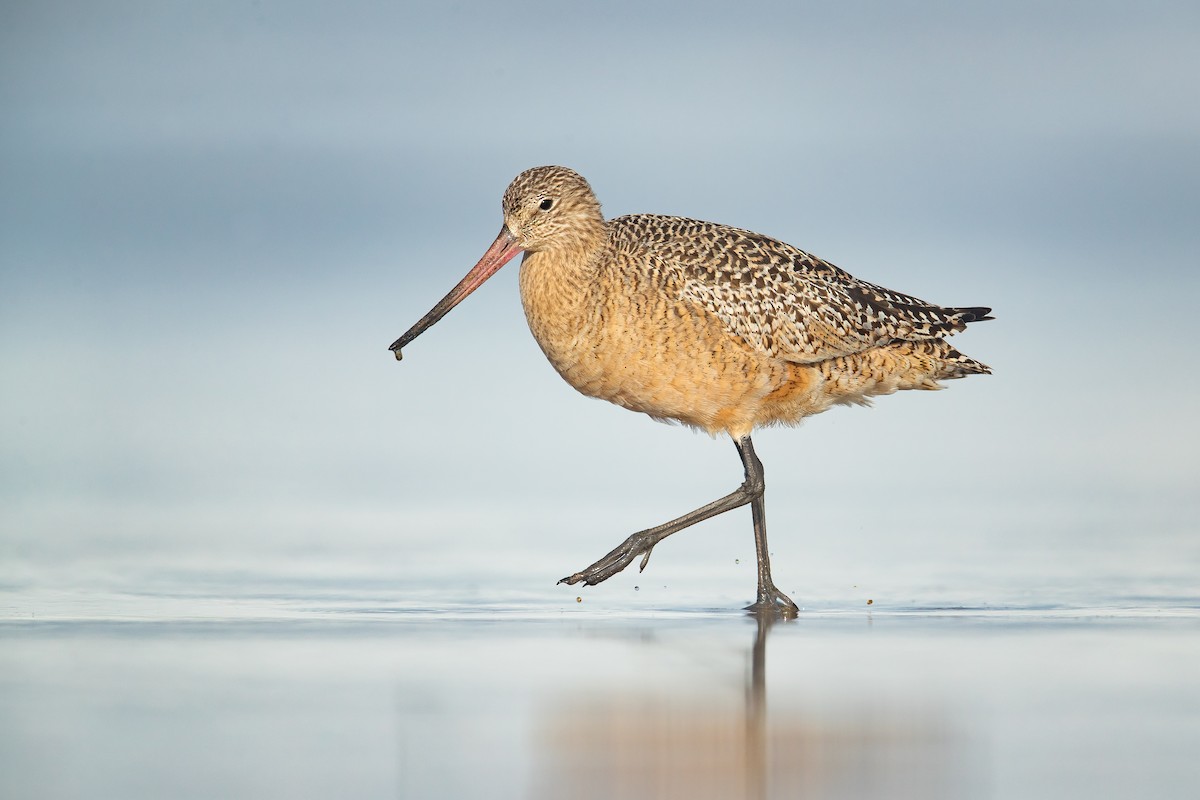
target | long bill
[{"x": 499, "y": 254}]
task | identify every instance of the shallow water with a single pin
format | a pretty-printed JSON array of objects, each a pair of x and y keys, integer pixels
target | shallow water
[{"x": 150, "y": 697}]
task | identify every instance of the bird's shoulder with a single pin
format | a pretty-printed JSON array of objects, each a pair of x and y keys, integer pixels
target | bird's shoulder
[{"x": 709, "y": 250}]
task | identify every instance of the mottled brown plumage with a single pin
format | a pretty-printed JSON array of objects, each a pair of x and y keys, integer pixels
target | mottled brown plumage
[{"x": 712, "y": 326}]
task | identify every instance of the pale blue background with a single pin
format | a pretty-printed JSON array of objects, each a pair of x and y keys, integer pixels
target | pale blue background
[{"x": 215, "y": 217}]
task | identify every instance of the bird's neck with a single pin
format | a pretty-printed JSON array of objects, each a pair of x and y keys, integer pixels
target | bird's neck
[{"x": 557, "y": 293}]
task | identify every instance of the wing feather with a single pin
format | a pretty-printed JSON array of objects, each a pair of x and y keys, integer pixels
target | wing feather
[{"x": 778, "y": 298}]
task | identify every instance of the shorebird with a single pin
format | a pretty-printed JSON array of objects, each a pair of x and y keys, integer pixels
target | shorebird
[{"x": 716, "y": 327}]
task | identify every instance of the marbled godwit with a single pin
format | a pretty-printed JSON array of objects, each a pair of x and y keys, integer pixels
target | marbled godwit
[{"x": 715, "y": 327}]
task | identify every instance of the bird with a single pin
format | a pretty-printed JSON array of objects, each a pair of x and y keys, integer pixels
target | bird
[{"x": 715, "y": 327}]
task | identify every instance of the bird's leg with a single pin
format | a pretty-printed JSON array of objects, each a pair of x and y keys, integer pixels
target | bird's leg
[
  {"x": 642, "y": 542},
  {"x": 770, "y": 599}
]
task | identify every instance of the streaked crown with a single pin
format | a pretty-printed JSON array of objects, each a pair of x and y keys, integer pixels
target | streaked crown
[{"x": 553, "y": 208}]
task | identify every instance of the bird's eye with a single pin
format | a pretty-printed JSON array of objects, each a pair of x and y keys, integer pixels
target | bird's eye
[{"x": 546, "y": 204}]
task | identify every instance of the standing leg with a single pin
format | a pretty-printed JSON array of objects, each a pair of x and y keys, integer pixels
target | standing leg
[{"x": 769, "y": 597}]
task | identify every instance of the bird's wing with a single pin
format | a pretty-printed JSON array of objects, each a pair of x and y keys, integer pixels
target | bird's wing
[{"x": 782, "y": 300}]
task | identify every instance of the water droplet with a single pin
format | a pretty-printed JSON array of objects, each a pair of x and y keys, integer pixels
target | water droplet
[
  {"x": 737, "y": 561},
  {"x": 578, "y": 599},
  {"x": 637, "y": 588}
]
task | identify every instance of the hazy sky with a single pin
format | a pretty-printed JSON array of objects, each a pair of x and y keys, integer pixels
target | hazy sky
[{"x": 215, "y": 217}]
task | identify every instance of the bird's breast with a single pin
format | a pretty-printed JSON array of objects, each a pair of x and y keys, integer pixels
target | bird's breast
[
  {"x": 556, "y": 306},
  {"x": 614, "y": 334}
]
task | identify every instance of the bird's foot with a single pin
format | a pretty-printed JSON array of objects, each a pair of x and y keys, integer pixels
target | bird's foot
[
  {"x": 773, "y": 602},
  {"x": 639, "y": 544}
]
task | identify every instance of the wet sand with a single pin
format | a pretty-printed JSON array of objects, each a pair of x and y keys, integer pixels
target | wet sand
[{"x": 536, "y": 702}]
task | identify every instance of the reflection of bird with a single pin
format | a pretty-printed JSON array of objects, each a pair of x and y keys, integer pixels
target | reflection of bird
[{"x": 715, "y": 327}]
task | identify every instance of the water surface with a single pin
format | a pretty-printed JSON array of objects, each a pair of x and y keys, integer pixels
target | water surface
[{"x": 374, "y": 697}]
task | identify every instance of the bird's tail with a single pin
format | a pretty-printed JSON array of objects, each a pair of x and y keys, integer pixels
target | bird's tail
[
  {"x": 973, "y": 314},
  {"x": 900, "y": 365},
  {"x": 957, "y": 320},
  {"x": 945, "y": 362}
]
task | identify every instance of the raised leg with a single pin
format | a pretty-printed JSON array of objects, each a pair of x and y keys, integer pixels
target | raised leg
[{"x": 770, "y": 599}]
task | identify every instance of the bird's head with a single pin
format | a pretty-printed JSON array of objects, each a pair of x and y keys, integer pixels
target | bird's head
[
  {"x": 552, "y": 208},
  {"x": 546, "y": 209}
]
